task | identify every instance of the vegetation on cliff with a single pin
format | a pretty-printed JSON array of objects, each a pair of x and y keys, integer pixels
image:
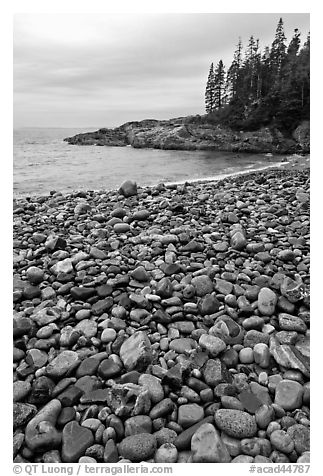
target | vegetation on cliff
[{"x": 269, "y": 88}]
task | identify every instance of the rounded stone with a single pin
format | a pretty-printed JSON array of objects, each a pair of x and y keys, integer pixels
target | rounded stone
[
  {"x": 128, "y": 188},
  {"x": 138, "y": 448},
  {"x": 246, "y": 355},
  {"x": 35, "y": 275},
  {"x": 289, "y": 394},
  {"x": 21, "y": 388},
  {"x": 165, "y": 435},
  {"x": 138, "y": 424},
  {"x": 300, "y": 435},
  {"x": 264, "y": 415},
  {"x": 75, "y": 441},
  {"x": 108, "y": 335},
  {"x": 121, "y": 227},
  {"x": 261, "y": 355},
  {"x": 236, "y": 423},
  {"x": 166, "y": 453},
  {"x": 267, "y": 301},
  {"x": 189, "y": 414},
  {"x": 281, "y": 441},
  {"x": 62, "y": 364},
  {"x": 203, "y": 285},
  {"x": 213, "y": 345}
]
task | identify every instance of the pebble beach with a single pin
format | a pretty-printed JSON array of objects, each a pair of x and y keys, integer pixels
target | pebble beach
[{"x": 166, "y": 324}]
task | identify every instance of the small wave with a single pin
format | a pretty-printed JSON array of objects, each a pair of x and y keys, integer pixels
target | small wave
[{"x": 225, "y": 175}]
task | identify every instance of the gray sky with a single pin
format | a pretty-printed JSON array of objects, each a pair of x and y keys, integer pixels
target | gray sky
[{"x": 103, "y": 70}]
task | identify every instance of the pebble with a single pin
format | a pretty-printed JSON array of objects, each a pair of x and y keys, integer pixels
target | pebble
[
  {"x": 300, "y": 435},
  {"x": 166, "y": 453},
  {"x": 281, "y": 441},
  {"x": 207, "y": 446},
  {"x": 62, "y": 364},
  {"x": 235, "y": 423},
  {"x": 246, "y": 355},
  {"x": 289, "y": 394},
  {"x": 138, "y": 424},
  {"x": 267, "y": 301},
  {"x": 135, "y": 352},
  {"x": 75, "y": 441},
  {"x": 203, "y": 285},
  {"x": 213, "y": 345},
  {"x": 138, "y": 448},
  {"x": 153, "y": 385},
  {"x": 21, "y": 389},
  {"x": 189, "y": 414},
  {"x": 261, "y": 355},
  {"x": 206, "y": 300}
]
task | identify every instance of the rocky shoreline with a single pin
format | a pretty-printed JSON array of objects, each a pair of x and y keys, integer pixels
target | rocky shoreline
[
  {"x": 195, "y": 133},
  {"x": 164, "y": 324}
]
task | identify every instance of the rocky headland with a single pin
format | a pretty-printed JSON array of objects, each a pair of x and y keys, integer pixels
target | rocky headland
[
  {"x": 164, "y": 324},
  {"x": 195, "y": 133}
]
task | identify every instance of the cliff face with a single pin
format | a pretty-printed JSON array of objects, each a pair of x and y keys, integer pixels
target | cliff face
[{"x": 188, "y": 134}]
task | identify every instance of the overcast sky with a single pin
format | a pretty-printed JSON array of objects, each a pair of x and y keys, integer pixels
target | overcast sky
[{"x": 103, "y": 70}]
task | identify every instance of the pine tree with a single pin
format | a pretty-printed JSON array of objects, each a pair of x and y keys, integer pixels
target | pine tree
[
  {"x": 269, "y": 88},
  {"x": 278, "y": 53},
  {"x": 219, "y": 85},
  {"x": 234, "y": 72},
  {"x": 303, "y": 74},
  {"x": 294, "y": 44},
  {"x": 210, "y": 92}
]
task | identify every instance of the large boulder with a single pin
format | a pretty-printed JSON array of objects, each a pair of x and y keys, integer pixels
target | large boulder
[{"x": 128, "y": 188}]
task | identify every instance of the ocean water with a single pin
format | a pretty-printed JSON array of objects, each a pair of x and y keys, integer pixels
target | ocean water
[{"x": 42, "y": 162}]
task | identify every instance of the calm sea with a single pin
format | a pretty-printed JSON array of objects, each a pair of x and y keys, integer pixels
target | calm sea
[{"x": 43, "y": 162}]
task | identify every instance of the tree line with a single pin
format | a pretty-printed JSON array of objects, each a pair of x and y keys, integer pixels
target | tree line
[{"x": 262, "y": 88}]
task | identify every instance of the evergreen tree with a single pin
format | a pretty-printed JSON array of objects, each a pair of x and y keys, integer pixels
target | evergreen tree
[
  {"x": 219, "y": 85},
  {"x": 209, "y": 91},
  {"x": 234, "y": 73},
  {"x": 278, "y": 53},
  {"x": 270, "y": 88}
]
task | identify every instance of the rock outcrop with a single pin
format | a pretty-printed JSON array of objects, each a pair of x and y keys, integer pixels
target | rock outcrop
[{"x": 192, "y": 133}]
